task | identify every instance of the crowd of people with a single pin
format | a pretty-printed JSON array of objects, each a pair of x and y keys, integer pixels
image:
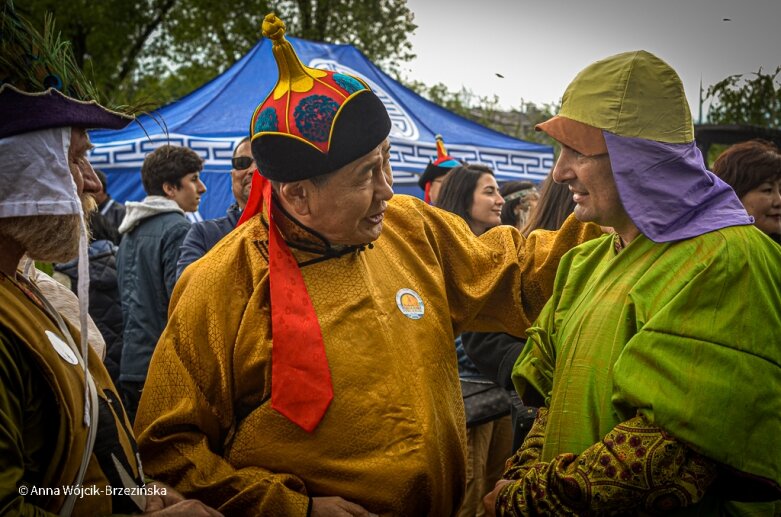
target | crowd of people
[{"x": 605, "y": 343}]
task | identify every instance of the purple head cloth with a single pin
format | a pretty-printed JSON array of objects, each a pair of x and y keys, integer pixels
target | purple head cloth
[{"x": 667, "y": 191}]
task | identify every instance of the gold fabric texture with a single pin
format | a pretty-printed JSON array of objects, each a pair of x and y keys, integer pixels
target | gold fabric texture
[{"x": 392, "y": 440}]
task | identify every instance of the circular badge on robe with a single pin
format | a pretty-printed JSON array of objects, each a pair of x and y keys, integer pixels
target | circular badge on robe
[
  {"x": 410, "y": 304},
  {"x": 62, "y": 348}
]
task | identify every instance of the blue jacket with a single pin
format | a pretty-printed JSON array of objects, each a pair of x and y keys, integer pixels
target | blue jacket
[
  {"x": 204, "y": 235},
  {"x": 146, "y": 272}
]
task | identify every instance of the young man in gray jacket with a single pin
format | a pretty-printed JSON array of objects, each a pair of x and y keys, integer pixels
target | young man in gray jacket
[{"x": 153, "y": 230}]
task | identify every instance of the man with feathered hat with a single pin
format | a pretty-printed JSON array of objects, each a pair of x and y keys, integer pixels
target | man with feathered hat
[
  {"x": 656, "y": 361},
  {"x": 65, "y": 441},
  {"x": 308, "y": 366}
]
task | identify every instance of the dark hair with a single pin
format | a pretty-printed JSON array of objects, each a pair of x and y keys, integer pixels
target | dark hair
[
  {"x": 508, "y": 210},
  {"x": 457, "y": 192},
  {"x": 102, "y": 229},
  {"x": 746, "y": 165},
  {"x": 102, "y": 177},
  {"x": 168, "y": 164},
  {"x": 553, "y": 208}
]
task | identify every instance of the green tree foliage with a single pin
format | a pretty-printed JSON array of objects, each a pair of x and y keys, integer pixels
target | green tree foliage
[
  {"x": 158, "y": 50},
  {"x": 379, "y": 28},
  {"x": 741, "y": 100},
  {"x": 517, "y": 122}
]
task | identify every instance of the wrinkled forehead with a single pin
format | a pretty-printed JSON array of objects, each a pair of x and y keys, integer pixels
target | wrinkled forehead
[
  {"x": 378, "y": 153},
  {"x": 371, "y": 158},
  {"x": 368, "y": 161}
]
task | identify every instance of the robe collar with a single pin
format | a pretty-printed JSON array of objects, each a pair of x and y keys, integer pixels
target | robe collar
[{"x": 300, "y": 237}]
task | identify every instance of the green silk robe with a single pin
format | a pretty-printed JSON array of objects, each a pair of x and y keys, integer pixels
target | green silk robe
[
  {"x": 685, "y": 333},
  {"x": 393, "y": 438}
]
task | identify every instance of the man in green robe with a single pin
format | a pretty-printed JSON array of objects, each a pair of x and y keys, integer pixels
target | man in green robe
[{"x": 656, "y": 360}]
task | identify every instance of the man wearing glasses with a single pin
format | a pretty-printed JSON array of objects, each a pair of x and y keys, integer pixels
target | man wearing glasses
[{"x": 205, "y": 234}]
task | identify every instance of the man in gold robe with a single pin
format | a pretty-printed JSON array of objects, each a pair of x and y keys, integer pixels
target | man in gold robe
[{"x": 308, "y": 366}]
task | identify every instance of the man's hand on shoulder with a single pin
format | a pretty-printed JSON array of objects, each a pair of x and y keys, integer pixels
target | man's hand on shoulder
[{"x": 337, "y": 507}]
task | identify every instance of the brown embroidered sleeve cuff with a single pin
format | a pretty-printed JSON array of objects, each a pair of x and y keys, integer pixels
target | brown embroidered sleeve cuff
[
  {"x": 635, "y": 467},
  {"x": 531, "y": 448}
]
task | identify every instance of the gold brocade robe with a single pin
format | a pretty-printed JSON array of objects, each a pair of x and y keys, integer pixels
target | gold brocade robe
[{"x": 393, "y": 438}]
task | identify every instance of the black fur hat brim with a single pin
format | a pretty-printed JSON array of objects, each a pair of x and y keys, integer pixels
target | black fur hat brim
[{"x": 431, "y": 173}]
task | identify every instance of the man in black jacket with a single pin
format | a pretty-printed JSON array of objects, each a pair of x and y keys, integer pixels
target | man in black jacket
[
  {"x": 494, "y": 354},
  {"x": 203, "y": 235},
  {"x": 104, "y": 304}
]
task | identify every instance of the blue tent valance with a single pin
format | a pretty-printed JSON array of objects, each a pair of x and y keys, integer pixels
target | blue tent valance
[{"x": 214, "y": 118}]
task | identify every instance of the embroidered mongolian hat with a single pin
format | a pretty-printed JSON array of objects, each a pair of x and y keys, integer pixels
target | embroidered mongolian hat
[
  {"x": 633, "y": 106},
  {"x": 437, "y": 168},
  {"x": 314, "y": 121}
]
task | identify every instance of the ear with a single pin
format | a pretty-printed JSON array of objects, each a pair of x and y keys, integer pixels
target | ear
[
  {"x": 169, "y": 189},
  {"x": 296, "y": 196}
]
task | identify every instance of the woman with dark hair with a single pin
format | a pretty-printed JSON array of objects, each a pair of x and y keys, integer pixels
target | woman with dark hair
[
  {"x": 471, "y": 192},
  {"x": 554, "y": 206},
  {"x": 753, "y": 170},
  {"x": 520, "y": 198}
]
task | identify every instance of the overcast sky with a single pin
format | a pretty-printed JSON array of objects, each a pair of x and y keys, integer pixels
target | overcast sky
[{"x": 539, "y": 46}]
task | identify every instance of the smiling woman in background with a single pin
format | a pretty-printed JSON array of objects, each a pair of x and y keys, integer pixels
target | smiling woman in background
[
  {"x": 753, "y": 170},
  {"x": 471, "y": 191}
]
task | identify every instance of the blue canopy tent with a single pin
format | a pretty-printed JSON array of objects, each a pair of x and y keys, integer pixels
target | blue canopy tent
[{"x": 214, "y": 118}]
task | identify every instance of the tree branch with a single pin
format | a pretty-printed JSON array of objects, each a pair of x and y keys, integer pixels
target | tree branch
[
  {"x": 323, "y": 9},
  {"x": 129, "y": 61},
  {"x": 227, "y": 47},
  {"x": 305, "y": 10}
]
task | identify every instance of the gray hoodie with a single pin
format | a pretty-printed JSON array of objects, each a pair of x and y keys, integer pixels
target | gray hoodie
[
  {"x": 146, "y": 272},
  {"x": 137, "y": 211}
]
